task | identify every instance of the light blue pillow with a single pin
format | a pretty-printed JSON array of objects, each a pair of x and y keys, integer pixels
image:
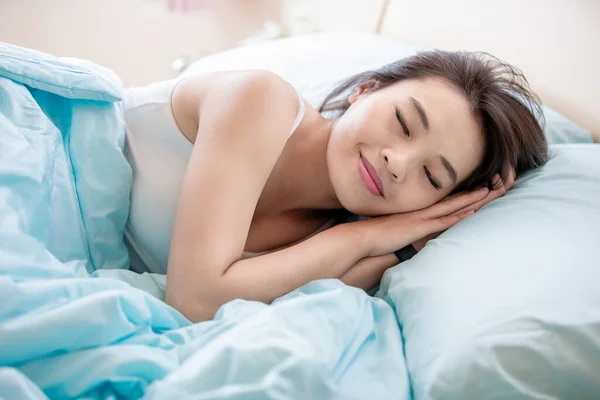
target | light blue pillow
[
  {"x": 506, "y": 304},
  {"x": 559, "y": 129}
]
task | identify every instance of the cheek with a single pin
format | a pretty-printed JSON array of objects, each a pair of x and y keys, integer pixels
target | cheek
[
  {"x": 413, "y": 196},
  {"x": 339, "y": 164},
  {"x": 362, "y": 124},
  {"x": 346, "y": 131}
]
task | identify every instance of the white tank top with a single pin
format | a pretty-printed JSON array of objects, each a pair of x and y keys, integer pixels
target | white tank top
[{"x": 158, "y": 153}]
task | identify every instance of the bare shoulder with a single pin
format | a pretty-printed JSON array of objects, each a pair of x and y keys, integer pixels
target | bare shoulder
[
  {"x": 243, "y": 120},
  {"x": 240, "y": 93}
]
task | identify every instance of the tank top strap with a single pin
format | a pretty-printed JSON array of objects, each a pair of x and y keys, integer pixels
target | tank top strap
[{"x": 300, "y": 115}]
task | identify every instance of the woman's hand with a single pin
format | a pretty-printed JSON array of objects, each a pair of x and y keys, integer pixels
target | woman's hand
[
  {"x": 386, "y": 234},
  {"x": 499, "y": 189},
  {"x": 367, "y": 272}
]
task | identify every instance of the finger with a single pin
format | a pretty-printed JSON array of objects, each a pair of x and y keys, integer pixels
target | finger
[
  {"x": 498, "y": 192},
  {"x": 500, "y": 189},
  {"x": 443, "y": 223},
  {"x": 510, "y": 179},
  {"x": 507, "y": 176},
  {"x": 451, "y": 205},
  {"x": 496, "y": 181},
  {"x": 492, "y": 195}
]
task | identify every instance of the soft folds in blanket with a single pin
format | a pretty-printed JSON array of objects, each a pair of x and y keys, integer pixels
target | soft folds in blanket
[
  {"x": 64, "y": 188},
  {"x": 64, "y": 180}
]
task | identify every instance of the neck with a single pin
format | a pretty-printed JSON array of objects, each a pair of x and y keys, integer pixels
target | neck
[{"x": 307, "y": 185}]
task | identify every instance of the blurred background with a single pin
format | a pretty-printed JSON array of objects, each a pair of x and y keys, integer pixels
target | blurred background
[
  {"x": 150, "y": 40},
  {"x": 140, "y": 39}
]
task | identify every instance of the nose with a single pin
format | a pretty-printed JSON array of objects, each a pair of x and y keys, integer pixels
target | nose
[{"x": 398, "y": 163}]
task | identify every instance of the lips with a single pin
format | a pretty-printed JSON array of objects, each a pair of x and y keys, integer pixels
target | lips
[{"x": 370, "y": 177}]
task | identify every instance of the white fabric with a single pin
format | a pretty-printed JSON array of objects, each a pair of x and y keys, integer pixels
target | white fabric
[
  {"x": 312, "y": 64},
  {"x": 158, "y": 153}
]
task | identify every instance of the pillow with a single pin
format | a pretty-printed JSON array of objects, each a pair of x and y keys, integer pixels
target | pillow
[
  {"x": 559, "y": 129},
  {"x": 300, "y": 60},
  {"x": 506, "y": 304}
]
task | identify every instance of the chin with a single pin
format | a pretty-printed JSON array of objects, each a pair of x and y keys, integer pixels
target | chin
[{"x": 358, "y": 201}]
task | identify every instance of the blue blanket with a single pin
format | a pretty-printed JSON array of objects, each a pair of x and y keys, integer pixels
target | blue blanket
[{"x": 75, "y": 323}]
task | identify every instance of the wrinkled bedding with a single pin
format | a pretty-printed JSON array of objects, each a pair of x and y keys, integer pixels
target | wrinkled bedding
[{"x": 75, "y": 323}]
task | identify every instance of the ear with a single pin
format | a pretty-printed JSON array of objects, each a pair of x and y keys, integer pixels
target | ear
[{"x": 361, "y": 89}]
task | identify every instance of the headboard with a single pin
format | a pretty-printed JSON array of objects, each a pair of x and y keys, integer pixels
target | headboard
[{"x": 555, "y": 42}]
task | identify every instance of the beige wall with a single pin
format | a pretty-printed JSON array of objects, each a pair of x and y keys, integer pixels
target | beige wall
[
  {"x": 137, "y": 38},
  {"x": 555, "y": 42}
]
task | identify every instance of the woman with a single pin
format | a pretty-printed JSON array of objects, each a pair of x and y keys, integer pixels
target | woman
[{"x": 238, "y": 182}]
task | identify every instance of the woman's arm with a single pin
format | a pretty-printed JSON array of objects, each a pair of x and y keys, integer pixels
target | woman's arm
[
  {"x": 243, "y": 121},
  {"x": 367, "y": 273},
  {"x": 329, "y": 254}
]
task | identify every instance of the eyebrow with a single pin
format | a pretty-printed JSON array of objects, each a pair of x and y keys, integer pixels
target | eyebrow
[
  {"x": 450, "y": 169},
  {"x": 422, "y": 115}
]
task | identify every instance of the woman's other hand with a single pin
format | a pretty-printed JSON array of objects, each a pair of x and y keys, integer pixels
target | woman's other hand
[
  {"x": 386, "y": 234},
  {"x": 499, "y": 188}
]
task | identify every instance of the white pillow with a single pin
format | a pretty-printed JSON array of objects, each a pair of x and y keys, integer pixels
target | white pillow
[{"x": 313, "y": 64}]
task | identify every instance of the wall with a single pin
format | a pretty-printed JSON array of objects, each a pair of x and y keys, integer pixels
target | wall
[
  {"x": 555, "y": 42},
  {"x": 137, "y": 38}
]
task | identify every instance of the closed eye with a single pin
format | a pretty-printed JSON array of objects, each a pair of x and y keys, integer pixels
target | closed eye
[
  {"x": 402, "y": 121},
  {"x": 431, "y": 179}
]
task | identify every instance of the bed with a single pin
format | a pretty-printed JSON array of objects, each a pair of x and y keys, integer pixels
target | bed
[{"x": 503, "y": 305}]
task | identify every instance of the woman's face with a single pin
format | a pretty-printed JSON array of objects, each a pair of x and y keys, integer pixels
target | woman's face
[{"x": 403, "y": 147}]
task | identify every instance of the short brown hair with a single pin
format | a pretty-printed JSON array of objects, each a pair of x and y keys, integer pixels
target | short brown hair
[{"x": 509, "y": 113}]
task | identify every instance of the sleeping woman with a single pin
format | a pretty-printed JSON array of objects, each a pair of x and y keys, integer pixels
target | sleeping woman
[{"x": 241, "y": 188}]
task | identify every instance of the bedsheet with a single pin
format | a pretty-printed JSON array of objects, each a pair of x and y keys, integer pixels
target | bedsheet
[{"x": 75, "y": 323}]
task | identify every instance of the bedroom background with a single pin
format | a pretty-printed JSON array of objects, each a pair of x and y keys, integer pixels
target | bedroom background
[
  {"x": 555, "y": 42},
  {"x": 505, "y": 305}
]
